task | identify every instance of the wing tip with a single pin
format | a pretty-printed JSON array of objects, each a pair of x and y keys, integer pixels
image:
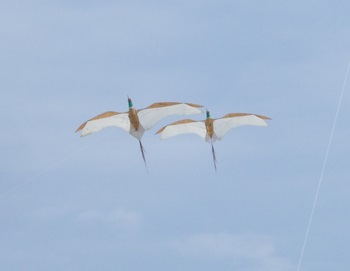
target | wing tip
[
  {"x": 263, "y": 117},
  {"x": 160, "y": 130},
  {"x": 81, "y": 127},
  {"x": 194, "y": 105}
]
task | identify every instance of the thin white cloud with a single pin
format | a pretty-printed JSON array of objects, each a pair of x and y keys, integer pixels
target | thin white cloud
[
  {"x": 254, "y": 252},
  {"x": 118, "y": 218},
  {"x": 51, "y": 213}
]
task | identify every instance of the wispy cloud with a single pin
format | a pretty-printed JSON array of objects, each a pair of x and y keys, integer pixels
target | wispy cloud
[
  {"x": 254, "y": 252},
  {"x": 119, "y": 218}
]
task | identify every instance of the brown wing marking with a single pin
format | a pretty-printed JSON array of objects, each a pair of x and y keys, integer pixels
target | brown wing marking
[
  {"x": 232, "y": 115},
  {"x": 176, "y": 123},
  {"x": 101, "y": 116},
  {"x": 164, "y": 104},
  {"x": 209, "y": 125},
  {"x": 134, "y": 118}
]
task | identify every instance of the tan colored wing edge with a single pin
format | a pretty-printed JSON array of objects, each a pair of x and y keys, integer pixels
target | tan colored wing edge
[
  {"x": 164, "y": 104},
  {"x": 101, "y": 116},
  {"x": 232, "y": 115},
  {"x": 175, "y": 123}
]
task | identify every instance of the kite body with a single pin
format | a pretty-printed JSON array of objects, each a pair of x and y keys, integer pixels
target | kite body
[
  {"x": 136, "y": 122},
  {"x": 212, "y": 129}
]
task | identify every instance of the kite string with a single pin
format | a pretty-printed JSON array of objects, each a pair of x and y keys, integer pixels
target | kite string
[{"x": 323, "y": 168}]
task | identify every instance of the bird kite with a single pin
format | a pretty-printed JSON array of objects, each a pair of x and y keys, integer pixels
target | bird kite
[
  {"x": 136, "y": 122},
  {"x": 211, "y": 129}
]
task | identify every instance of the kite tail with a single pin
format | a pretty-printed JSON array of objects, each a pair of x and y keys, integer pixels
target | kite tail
[
  {"x": 143, "y": 152},
  {"x": 214, "y": 156}
]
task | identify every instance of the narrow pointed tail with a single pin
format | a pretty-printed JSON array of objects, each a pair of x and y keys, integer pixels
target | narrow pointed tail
[
  {"x": 143, "y": 152},
  {"x": 214, "y": 156}
]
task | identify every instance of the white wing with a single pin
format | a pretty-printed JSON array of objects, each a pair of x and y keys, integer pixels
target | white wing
[
  {"x": 223, "y": 125},
  {"x": 183, "y": 127},
  {"x": 151, "y": 115},
  {"x": 104, "y": 120}
]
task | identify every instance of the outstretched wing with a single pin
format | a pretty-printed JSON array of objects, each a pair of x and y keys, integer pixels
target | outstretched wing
[
  {"x": 186, "y": 126},
  {"x": 233, "y": 120},
  {"x": 152, "y": 114},
  {"x": 104, "y": 120}
]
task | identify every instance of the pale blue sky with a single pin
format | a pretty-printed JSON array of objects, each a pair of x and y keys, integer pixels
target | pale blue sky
[{"x": 71, "y": 203}]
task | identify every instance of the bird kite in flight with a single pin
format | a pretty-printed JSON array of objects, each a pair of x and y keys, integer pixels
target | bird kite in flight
[
  {"x": 211, "y": 129},
  {"x": 136, "y": 122}
]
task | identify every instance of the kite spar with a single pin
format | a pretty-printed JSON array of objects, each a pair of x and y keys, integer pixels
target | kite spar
[
  {"x": 136, "y": 122},
  {"x": 211, "y": 129}
]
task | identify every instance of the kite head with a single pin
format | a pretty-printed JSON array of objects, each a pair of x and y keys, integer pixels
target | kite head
[
  {"x": 208, "y": 114},
  {"x": 130, "y": 102}
]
